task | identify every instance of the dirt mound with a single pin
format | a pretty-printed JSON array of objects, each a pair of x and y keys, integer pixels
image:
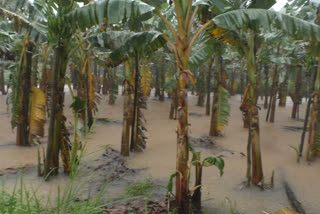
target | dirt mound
[
  {"x": 205, "y": 142},
  {"x": 112, "y": 166}
]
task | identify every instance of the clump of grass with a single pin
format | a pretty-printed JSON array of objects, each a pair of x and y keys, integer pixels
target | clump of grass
[
  {"x": 25, "y": 202},
  {"x": 144, "y": 188},
  {"x": 12, "y": 203}
]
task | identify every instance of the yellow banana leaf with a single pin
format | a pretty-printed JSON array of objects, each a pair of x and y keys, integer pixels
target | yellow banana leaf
[
  {"x": 234, "y": 87},
  {"x": 225, "y": 36},
  {"x": 37, "y": 115}
]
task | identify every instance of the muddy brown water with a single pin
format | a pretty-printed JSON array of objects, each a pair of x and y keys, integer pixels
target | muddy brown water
[{"x": 158, "y": 160}]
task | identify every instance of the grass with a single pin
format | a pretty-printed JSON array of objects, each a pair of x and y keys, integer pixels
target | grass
[
  {"x": 23, "y": 201},
  {"x": 144, "y": 188}
]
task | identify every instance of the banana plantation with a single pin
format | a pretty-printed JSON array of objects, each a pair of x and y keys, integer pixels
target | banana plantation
[{"x": 160, "y": 106}]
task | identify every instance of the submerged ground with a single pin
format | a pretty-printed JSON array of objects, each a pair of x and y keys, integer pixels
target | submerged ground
[{"x": 158, "y": 160}]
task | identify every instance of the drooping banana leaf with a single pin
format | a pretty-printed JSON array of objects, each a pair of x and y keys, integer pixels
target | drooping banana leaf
[
  {"x": 37, "y": 115},
  {"x": 142, "y": 42},
  {"x": 17, "y": 10},
  {"x": 110, "y": 12},
  {"x": 156, "y": 3},
  {"x": 202, "y": 51},
  {"x": 223, "y": 108},
  {"x": 215, "y": 6},
  {"x": 292, "y": 80},
  {"x": 110, "y": 39},
  {"x": 266, "y": 21},
  {"x": 263, "y": 4}
]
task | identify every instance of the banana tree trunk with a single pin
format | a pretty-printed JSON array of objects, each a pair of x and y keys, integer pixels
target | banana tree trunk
[
  {"x": 209, "y": 87},
  {"x": 162, "y": 82},
  {"x": 242, "y": 77},
  {"x": 254, "y": 174},
  {"x": 127, "y": 118},
  {"x": 88, "y": 109},
  {"x": 196, "y": 197},
  {"x": 274, "y": 90},
  {"x": 274, "y": 95},
  {"x": 297, "y": 93},
  {"x": 111, "y": 88},
  {"x": 174, "y": 105},
  {"x": 201, "y": 89},
  {"x": 2, "y": 84},
  {"x": 135, "y": 105},
  {"x": 105, "y": 83},
  {"x": 214, "y": 124},
  {"x": 182, "y": 182},
  {"x": 57, "y": 120},
  {"x": 23, "y": 117},
  {"x": 266, "y": 87},
  {"x": 314, "y": 118},
  {"x": 157, "y": 83}
]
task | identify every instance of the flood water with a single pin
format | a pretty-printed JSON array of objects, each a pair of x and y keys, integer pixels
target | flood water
[{"x": 158, "y": 160}]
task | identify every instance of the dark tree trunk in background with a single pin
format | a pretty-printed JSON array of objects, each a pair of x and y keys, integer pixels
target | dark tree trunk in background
[
  {"x": 135, "y": 103},
  {"x": 162, "y": 82},
  {"x": 266, "y": 87},
  {"x": 111, "y": 88},
  {"x": 2, "y": 85},
  {"x": 89, "y": 112},
  {"x": 157, "y": 93},
  {"x": 209, "y": 87},
  {"x": 57, "y": 130},
  {"x": 105, "y": 82},
  {"x": 274, "y": 91},
  {"x": 23, "y": 118},
  {"x": 201, "y": 88},
  {"x": 127, "y": 118}
]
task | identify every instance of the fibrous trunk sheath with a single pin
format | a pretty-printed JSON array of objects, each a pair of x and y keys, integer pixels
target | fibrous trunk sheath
[
  {"x": 127, "y": 118},
  {"x": 214, "y": 124},
  {"x": 56, "y": 124},
  {"x": 314, "y": 118},
  {"x": 23, "y": 118},
  {"x": 254, "y": 134}
]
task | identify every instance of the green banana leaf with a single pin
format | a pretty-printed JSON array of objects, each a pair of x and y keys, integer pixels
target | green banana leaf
[
  {"x": 110, "y": 12},
  {"x": 266, "y": 21}
]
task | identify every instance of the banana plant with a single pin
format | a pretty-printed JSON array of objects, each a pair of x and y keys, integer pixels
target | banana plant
[
  {"x": 127, "y": 51},
  {"x": 30, "y": 29},
  {"x": 264, "y": 21},
  {"x": 61, "y": 25}
]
